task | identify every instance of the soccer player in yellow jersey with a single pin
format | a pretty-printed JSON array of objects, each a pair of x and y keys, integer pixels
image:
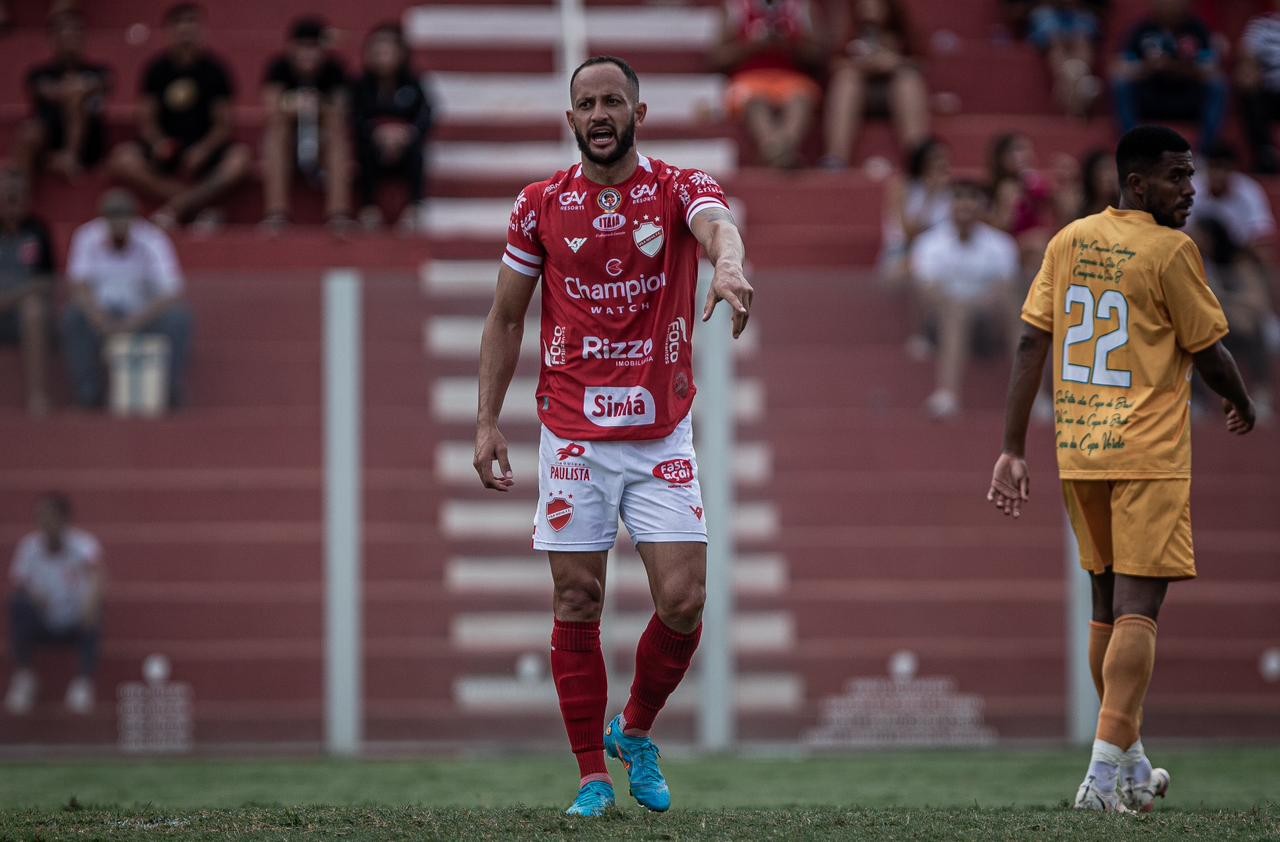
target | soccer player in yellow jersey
[{"x": 1122, "y": 302}]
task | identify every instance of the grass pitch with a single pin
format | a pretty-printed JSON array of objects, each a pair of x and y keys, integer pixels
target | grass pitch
[{"x": 1216, "y": 794}]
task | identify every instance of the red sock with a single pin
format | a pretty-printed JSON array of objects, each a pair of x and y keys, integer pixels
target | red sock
[
  {"x": 662, "y": 658},
  {"x": 577, "y": 666}
]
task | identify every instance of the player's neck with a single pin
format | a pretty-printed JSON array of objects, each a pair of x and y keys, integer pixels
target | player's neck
[{"x": 611, "y": 174}]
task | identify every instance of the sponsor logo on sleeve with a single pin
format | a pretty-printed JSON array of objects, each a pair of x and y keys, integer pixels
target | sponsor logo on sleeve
[
  {"x": 648, "y": 235},
  {"x": 704, "y": 182},
  {"x": 574, "y": 200},
  {"x": 516, "y": 210},
  {"x": 559, "y": 511},
  {"x": 609, "y": 223},
  {"x": 619, "y": 406},
  {"x": 674, "y": 472},
  {"x": 555, "y": 353},
  {"x": 575, "y": 243},
  {"x": 609, "y": 200}
]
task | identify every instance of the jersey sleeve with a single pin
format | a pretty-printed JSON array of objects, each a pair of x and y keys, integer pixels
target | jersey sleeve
[
  {"x": 1197, "y": 317},
  {"x": 1037, "y": 310},
  {"x": 524, "y": 251},
  {"x": 696, "y": 191}
]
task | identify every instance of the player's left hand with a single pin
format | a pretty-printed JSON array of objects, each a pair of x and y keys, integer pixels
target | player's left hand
[
  {"x": 1239, "y": 421},
  {"x": 730, "y": 285},
  {"x": 1010, "y": 484}
]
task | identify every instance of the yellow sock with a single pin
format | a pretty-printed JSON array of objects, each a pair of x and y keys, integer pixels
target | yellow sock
[
  {"x": 1126, "y": 674},
  {"x": 1099, "y": 637}
]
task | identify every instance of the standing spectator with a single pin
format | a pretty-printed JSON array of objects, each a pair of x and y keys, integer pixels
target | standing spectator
[
  {"x": 26, "y": 281},
  {"x": 392, "y": 115},
  {"x": 57, "y": 600},
  {"x": 1258, "y": 80},
  {"x": 68, "y": 93},
  {"x": 305, "y": 94},
  {"x": 124, "y": 279},
  {"x": 872, "y": 74},
  {"x": 770, "y": 50},
  {"x": 965, "y": 270},
  {"x": 1065, "y": 32},
  {"x": 186, "y": 156},
  {"x": 1169, "y": 71}
]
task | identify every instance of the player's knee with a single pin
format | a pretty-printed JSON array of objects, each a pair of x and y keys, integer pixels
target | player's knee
[
  {"x": 579, "y": 601},
  {"x": 681, "y": 609}
]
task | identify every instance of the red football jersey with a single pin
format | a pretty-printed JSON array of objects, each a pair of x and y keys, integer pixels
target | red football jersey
[{"x": 619, "y": 268}]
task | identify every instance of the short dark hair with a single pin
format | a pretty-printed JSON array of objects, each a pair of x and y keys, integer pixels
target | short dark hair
[
  {"x": 309, "y": 29},
  {"x": 1141, "y": 148},
  {"x": 919, "y": 156},
  {"x": 182, "y": 10},
  {"x": 58, "y": 501},
  {"x": 632, "y": 78}
]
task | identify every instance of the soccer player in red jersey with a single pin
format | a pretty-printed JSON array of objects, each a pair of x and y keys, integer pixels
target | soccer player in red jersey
[{"x": 615, "y": 239}]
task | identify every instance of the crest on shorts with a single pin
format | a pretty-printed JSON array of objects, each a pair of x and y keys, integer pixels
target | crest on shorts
[
  {"x": 648, "y": 235},
  {"x": 609, "y": 200},
  {"x": 559, "y": 512}
]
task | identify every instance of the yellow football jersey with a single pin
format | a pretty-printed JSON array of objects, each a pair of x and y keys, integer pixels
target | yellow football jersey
[{"x": 1128, "y": 304}]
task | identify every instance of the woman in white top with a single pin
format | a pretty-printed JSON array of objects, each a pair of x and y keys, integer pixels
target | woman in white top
[{"x": 914, "y": 202}]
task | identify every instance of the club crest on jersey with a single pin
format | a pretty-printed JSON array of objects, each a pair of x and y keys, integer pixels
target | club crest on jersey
[
  {"x": 609, "y": 200},
  {"x": 559, "y": 512},
  {"x": 648, "y": 236},
  {"x": 575, "y": 243},
  {"x": 609, "y": 223}
]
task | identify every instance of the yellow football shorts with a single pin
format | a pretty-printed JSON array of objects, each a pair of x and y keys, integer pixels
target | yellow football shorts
[{"x": 1139, "y": 527}]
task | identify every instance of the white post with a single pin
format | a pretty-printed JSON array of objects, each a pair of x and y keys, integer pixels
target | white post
[
  {"x": 342, "y": 462},
  {"x": 714, "y": 432},
  {"x": 1082, "y": 698},
  {"x": 571, "y": 53}
]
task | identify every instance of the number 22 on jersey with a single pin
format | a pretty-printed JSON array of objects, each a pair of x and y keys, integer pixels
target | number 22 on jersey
[{"x": 1111, "y": 304}]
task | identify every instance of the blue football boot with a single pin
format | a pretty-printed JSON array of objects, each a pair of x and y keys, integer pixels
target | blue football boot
[
  {"x": 593, "y": 799},
  {"x": 640, "y": 757}
]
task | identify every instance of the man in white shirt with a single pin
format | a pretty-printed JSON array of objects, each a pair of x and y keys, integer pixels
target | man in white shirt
[
  {"x": 964, "y": 269},
  {"x": 124, "y": 278},
  {"x": 1258, "y": 84},
  {"x": 57, "y": 599}
]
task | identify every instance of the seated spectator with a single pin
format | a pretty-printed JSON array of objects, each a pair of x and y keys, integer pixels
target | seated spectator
[
  {"x": 770, "y": 50},
  {"x": 873, "y": 75},
  {"x": 1258, "y": 80},
  {"x": 305, "y": 94},
  {"x": 1065, "y": 32},
  {"x": 68, "y": 93},
  {"x": 1022, "y": 197},
  {"x": 1169, "y": 71},
  {"x": 186, "y": 156},
  {"x": 57, "y": 600},
  {"x": 1100, "y": 185},
  {"x": 26, "y": 282},
  {"x": 124, "y": 279},
  {"x": 392, "y": 115},
  {"x": 965, "y": 269}
]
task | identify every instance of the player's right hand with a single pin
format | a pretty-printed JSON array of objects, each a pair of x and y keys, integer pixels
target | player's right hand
[
  {"x": 1240, "y": 420},
  {"x": 491, "y": 446},
  {"x": 1010, "y": 484}
]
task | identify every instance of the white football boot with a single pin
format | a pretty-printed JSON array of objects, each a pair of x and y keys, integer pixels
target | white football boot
[
  {"x": 1141, "y": 797},
  {"x": 1090, "y": 797}
]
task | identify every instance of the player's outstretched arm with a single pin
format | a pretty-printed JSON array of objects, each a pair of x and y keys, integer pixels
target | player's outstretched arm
[
  {"x": 499, "y": 352},
  {"x": 1218, "y": 368},
  {"x": 1010, "y": 480},
  {"x": 718, "y": 234}
]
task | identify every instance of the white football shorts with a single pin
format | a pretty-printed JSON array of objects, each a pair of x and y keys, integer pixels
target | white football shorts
[{"x": 583, "y": 487}]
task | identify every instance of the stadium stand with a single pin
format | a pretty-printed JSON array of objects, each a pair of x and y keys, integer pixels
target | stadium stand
[{"x": 861, "y": 527}]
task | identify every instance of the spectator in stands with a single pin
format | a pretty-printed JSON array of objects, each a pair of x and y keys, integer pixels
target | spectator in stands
[
  {"x": 26, "y": 286},
  {"x": 1100, "y": 186},
  {"x": 124, "y": 278},
  {"x": 872, "y": 74},
  {"x": 57, "y": 600},
  {"x": 1022, "y": 197},
  {"x": 771, "y": 50},
  {"x": 1065, "y": 32},
  {"x": 66, "y": 132},
  {"x": 1169, "y": 71},
  {"x": 1232, "y": 221},
  {"x": 1258, "y": 80},
  {"x": 306, "y": 98},
  {"x": 186, "y": 156},
  {"x": 392, "y": 114},
  {"x": 965, "y": 269}
]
